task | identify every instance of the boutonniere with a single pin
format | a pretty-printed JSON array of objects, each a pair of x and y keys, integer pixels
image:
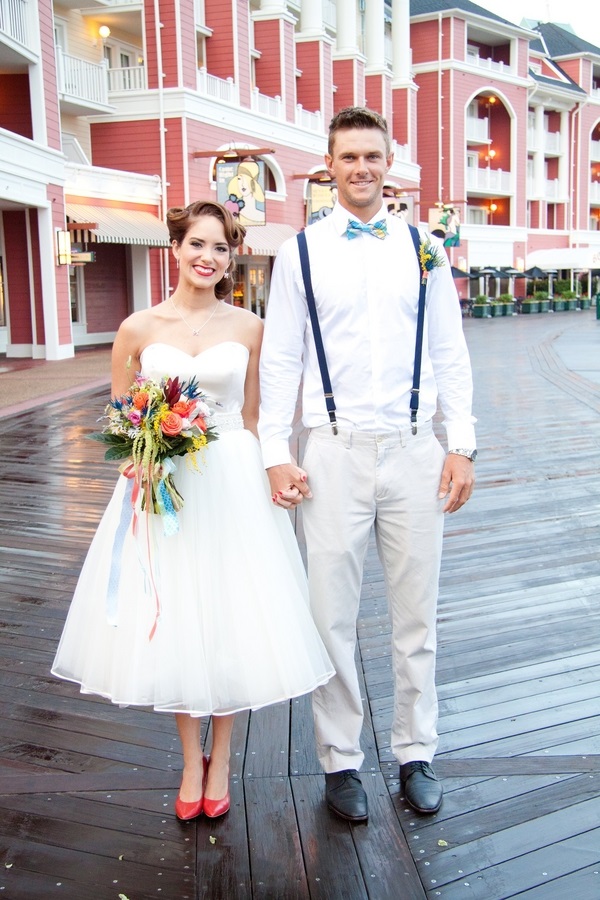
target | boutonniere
[{"x": 430, "y": 257}]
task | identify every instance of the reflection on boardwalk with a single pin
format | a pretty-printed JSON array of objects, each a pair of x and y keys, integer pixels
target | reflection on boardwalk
[{"x": 86, "y": 790}]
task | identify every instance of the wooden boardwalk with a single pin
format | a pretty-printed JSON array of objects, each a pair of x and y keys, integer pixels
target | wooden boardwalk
[{"x": 87, "y": 790}]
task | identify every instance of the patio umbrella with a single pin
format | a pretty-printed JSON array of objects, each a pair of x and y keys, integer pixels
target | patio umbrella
[
  {"x": 535, "y": 272},
  {"x": 459, "y": 273}
]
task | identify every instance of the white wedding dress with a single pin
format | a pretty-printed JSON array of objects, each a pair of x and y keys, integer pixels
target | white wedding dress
[{"x": 225, "y": 598}]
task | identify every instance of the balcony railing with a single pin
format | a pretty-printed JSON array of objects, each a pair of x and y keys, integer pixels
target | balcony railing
[
  {"x": 595, "y": 151},
  {"x": 267, "y": 106},
  {"x": 14, "y": 21},
  {"x": 221, "y": 89},
  {"x": 489, "y": 180},
  {"x": 329, "y": 14},
  {"x": 312, "y": 121},
  {"x": 595, "y": 192},
  {"x": 82, "y": 80},
  {"x": 489, "y": 64},
  {"x": 552, "y": 141},
  {"x": 477, "y": 129},
  {"x": 130, "y": 78}
]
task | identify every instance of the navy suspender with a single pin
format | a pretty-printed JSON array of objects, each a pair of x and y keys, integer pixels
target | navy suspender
[{"x": 312, "y": 310}]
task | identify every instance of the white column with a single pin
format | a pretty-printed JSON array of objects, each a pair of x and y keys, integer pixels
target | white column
[
  {"x": 375, "y": 35},
  {"x": 401, "y": 55},
  {"x": 563, "y": 160},
  {"x": 54, "y": 350},
  {"x": 311, "y": 17},
  {"x": 346, "y": 27},
  {"x": 273, "y": 6},
  {"x": 141, "y": 285},
  {"x": 539, "y": 174}
]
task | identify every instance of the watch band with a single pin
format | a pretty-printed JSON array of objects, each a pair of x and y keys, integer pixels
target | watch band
[{"x": 470, "y": 454}]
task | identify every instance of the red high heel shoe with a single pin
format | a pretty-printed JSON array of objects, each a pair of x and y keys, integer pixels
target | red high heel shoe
[
  {"x": 186, "y": 811},
  {"x": 214, "y": 808}
]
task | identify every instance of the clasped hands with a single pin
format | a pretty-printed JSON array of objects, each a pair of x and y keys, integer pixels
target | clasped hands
[{"x": 289, "y": 483}]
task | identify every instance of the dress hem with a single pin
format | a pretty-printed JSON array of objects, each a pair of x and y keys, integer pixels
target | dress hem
[{"x": 195, "y": 713}]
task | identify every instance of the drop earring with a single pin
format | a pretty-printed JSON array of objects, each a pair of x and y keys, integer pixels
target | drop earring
[{"x": 177, "y": 261}]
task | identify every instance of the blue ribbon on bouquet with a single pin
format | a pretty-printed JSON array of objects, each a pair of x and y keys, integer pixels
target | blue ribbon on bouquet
[
  {"x": 114, "y": 577},
  {"x": 164, "y": 502}
]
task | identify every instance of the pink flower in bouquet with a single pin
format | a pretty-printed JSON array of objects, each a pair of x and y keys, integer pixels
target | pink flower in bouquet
[{"x": 134, "y": 417}]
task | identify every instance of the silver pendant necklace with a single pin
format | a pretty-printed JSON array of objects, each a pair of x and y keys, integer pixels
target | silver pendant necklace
[{"x": 195, "y": 331}]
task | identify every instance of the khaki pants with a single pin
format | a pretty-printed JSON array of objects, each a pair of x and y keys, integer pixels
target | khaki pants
[{"x": 390, "y": 481}]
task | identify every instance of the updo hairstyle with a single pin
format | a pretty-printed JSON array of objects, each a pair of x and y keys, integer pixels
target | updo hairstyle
[{"x": 180, "y": 220}]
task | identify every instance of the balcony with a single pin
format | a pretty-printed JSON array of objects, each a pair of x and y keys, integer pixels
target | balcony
[
  {"x": 489, "y": 65},
  {"x": 311, "y": 121},
  {"x": 478, "y": 130},
  {"x": 221, "y": 89},
  {"x": 17, "y": 34},
  {"x": 82, "y": 85},
  {"x": 595, "y": 151},
  {"x": 267, "y": 106},
  {"x": 488, "y": 181},
  {"x": 130, "y": 78},
  {"x": 595, "y": 192}
]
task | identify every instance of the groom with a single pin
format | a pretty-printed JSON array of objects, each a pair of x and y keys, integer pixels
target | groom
[{"x": 372, "y": 469}]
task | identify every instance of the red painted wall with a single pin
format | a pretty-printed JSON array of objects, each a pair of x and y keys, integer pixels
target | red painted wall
[
  {"x": 308, "y": 59},
  {"x": 17, "y": 276},
  {"x": 15, "y": 106},
  {"x": 48, "y": 56},
  {"x": 112, "y": 143},
  {"x": 269, "y": 76},
  {"x": 106, "y": 288},
  {"x": 219, "y": 48}
]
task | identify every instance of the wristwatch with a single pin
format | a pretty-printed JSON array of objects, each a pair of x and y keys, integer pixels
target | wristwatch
[{"x": 470, "y": 454}]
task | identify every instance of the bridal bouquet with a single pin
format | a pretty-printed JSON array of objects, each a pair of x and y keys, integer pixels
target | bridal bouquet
[{"x": 147, "y": 426}]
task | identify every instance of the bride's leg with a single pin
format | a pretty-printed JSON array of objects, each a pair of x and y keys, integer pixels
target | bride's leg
[
  {"x": 217, "y": 785},
  {"x": 189, "y": 734}
]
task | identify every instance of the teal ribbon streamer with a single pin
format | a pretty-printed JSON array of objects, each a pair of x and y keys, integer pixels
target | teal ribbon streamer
[
  {"x": 114, "y": 577},
  {"x": 164, "y": 502}
]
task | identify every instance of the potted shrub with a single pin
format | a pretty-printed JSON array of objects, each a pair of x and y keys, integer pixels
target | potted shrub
[
  {"x": 543, "y": 300},
  {"x": 509, "y": 304},
  {"x": 481, "y": 307},
  {"x": 570, "y": 298},
  {"x": 530, "y": 305},
  {"x": 585, "y": 302},
  {"x": 558, "y": 303}
]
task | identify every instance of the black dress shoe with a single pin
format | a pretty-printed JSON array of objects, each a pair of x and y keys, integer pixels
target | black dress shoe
[
  {"x": 346, "y": 796},
  {"x": 421, "y": 788}
]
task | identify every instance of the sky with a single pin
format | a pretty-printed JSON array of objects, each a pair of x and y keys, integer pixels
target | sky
[{"x": 582, "y": 15}]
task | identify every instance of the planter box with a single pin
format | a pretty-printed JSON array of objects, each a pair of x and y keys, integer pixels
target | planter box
[
  {"x": 481, "y": 310},
  {"x": 509, "y": 309},
  {"x": 544, "y": 305},
  {"x": 497, "y": 309},
  {"x": 558, "y": 305},
  {"x": 530, "y": 306},
  {"x": 571, "y": 304},
  {"x": 585, "y": 302}
]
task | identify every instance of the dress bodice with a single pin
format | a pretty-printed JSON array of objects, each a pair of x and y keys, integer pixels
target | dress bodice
[{"x": 220, "y": 370}]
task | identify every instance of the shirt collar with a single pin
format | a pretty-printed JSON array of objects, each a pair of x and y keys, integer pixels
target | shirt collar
[{"x": 339, "y": 217}]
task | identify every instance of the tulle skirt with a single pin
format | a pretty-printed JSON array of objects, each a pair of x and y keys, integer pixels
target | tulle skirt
[{"x": 210, "y": 620}]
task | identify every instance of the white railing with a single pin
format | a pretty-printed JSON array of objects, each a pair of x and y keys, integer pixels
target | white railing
[
  {"x": 493, "y": 180},
  {"x": 551, "y": 191},
  {"x": 489, "y": 64},
  {"x": 595, "y": 192},
  {"x": 130, "y": 78},
  {"x": 14, "y": 21},
  {"x": 221, "y": 89},
  {"x": 81, "y": 79},
  {"x": 552, "y": 141},
  {"x": 595, "y": 150},
  {"x": 312, "y": 121},
  {"x": 477, "y": 129},
  {"x": 532, "y": 139},
  {"x": 329, "y": 14},
  {"x": 595, "y": 93},
  {"x": 401, "y": 152},
  {"x": 267, "y": 106}
]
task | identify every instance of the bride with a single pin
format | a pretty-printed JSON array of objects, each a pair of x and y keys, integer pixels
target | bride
[{"x": 234, "y": 630}]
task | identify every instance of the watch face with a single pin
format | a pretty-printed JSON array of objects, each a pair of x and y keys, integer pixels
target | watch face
[{"x": 474, "y": 455}]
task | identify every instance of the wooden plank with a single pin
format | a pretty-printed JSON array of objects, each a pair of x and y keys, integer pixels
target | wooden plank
[{"x": 274, "y": 842}]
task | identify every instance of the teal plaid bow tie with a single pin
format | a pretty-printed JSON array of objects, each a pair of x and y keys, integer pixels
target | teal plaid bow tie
[{"x": 378, "y": 229}]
